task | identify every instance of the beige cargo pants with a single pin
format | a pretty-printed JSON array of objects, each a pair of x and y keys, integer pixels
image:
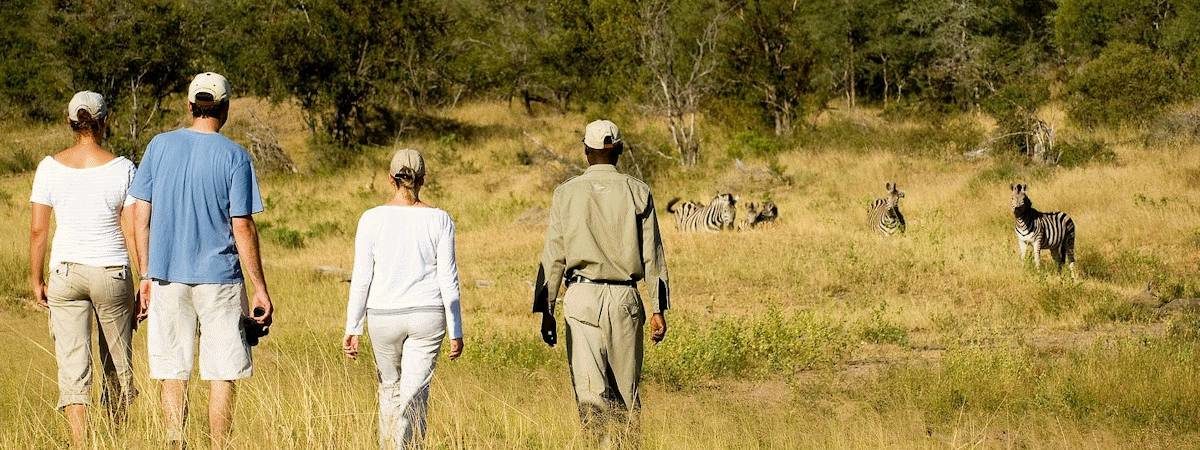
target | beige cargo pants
[
  {"x": 604, "y": 349},
  {"x": 76, "y": 293}
]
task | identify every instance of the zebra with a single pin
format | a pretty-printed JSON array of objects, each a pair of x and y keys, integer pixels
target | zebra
[
  {"x": 760, "y": 214},
  {"x": 1054, "y": 231},
  {"x": 884, "y": 213},
  {"x": 694, "y": 216}
]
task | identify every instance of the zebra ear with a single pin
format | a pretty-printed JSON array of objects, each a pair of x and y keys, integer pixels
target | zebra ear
[{"x": 888, "y": 186}]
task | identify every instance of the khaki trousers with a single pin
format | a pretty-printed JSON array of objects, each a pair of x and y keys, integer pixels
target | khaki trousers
[
  {"x": 75, "y": 293},
  {"x": 604, "y": 348}
]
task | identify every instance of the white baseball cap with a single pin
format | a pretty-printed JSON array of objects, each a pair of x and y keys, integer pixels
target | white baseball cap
[
  {"x": 600, "y": 134},
  {"x": 90, "y": 101},
  {"x": 407, "y": 158},
  {"x": 211, "y": 83}
]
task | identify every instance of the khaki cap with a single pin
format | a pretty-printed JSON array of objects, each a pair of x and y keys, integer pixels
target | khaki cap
[
  {"x": 89, "y": 101},
  {"x": 601, "y": 134},
  {"x": 407, "y": 158},
  {"x": 211, "y": 83}
]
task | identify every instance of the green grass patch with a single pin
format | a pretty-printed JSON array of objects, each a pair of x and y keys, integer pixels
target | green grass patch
[
  {"x": 768, "y": 344},
  {"x": 1131, "y": 383}
]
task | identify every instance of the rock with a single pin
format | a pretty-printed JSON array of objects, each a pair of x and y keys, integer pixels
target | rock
[{"x": 484, "y": 284}]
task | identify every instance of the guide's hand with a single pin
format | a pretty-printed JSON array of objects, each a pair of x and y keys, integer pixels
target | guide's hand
[
  {"x": 658, "y": 327},
  {"x": 143, "y": 299},
  {"x": 456, "y": 348},
  {"x": 549, "y": 329},
  {"x": 350, "y": 346}
]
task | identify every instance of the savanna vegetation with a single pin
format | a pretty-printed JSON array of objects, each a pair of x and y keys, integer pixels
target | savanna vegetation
[{"x": 814, "y": 332}]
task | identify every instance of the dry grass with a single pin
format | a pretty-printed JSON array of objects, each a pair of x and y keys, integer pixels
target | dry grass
[{"x": 814, "y": 333}]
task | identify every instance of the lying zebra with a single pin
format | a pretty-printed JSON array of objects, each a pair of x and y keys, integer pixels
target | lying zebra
[
  {"x": 693, "y": 216},
  {"x": 1054, "y": 231},
  {"x": 884, "y": 214},
  {"x": 760, "y": 214}
]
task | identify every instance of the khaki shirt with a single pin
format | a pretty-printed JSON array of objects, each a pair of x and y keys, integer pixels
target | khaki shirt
[{"x": 602, "y": 227}]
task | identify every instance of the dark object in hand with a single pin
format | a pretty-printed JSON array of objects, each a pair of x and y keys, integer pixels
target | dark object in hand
[
  {"x": 255, "y": 331},
  {"x": 549, "y": 329}
]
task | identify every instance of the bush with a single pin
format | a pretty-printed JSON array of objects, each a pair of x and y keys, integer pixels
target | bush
[
  {"x": 1084, "y": 152},
  {"x": 1127, "y": 83},
  {"x": 281, "y": 235},
  {"x": 1013, "y": 106},
  {"x": 753, "y": 143}
]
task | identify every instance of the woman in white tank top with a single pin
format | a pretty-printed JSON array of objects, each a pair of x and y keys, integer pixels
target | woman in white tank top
[
  {"x": 84, "y": 187},
  {"x": 405, "y": 287}
]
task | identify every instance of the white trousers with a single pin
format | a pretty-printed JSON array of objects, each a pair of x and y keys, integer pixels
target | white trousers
[{"x": 406, "y": 346}]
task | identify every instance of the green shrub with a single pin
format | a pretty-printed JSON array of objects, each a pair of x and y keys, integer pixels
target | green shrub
[
  {"x": 1084, "y": 152},
  {"x": 281, "y": 235},
  {"x": 754, "y": 144},
  {"x": 1127, "y": 83},
  {"x": 878, "y": 330}
]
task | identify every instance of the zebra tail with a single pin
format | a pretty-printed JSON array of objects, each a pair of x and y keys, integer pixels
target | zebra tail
[{"x": 671, "y": 205}]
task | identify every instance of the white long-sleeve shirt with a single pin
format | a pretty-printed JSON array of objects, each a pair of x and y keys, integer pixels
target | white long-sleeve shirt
[{"x": 404, "y": 262}]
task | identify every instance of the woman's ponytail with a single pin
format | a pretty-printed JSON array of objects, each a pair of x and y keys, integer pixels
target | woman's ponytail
[{"x": 87, "y": 124}]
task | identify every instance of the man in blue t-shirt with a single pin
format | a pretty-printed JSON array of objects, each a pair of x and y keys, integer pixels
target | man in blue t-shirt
[{"x": 195, "y": 235}]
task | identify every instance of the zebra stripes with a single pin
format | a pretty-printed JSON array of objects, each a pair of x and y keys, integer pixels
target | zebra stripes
[
  {"x": 761, "y": 214},
  {"x": 692, "y": 216},
  {"x": 1054, "y": 231},
  {"x": 884, "y": 213}
]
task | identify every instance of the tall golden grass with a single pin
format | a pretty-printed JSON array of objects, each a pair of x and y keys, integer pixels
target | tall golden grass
[{"x": 814, "y": 333}]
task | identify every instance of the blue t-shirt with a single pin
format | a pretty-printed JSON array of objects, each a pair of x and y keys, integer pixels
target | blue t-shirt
[{"x": 197, "y": 182}]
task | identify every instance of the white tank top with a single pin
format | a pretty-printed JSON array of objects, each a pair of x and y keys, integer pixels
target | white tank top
[{"x": 87, "y": 210}]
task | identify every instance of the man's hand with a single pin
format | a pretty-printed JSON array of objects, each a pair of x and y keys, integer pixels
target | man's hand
[
  {"x": 350, "y": 346},
  {"x": 456, "y": 348},
  {"x": 39, "y": 294},
  {"x": 262, "y": 303},
  {"x": 549, "y": 329},
  {"x": 144, "y": 299},
  {"x": 658, "y": 327}
]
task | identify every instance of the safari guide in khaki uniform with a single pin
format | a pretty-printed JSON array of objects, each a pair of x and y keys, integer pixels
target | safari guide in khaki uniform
[{"x": 602, "y": 239}]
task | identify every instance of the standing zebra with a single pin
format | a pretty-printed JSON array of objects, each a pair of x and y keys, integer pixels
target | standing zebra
[
  {"x": 1043, "y": 230},
  {"x": 693, "y": 216},
  {"x": 884, "y": 214}
]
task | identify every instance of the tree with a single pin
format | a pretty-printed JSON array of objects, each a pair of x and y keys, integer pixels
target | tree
[
  {"x": 680, "y": 60},
  {"x": 772, "y": 60},
  {"x": 351, "y": 64},
  {"x": 31, "y": 80},
  {"x": 134, "y": 53},
  {"x": 1126, "y": 83}
]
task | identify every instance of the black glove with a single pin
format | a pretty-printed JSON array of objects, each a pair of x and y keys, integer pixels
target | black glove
[{"x": 549, "y": 329}]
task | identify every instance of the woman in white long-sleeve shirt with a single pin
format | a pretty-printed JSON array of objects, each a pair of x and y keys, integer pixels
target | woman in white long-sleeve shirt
[{"x": 405, "y": 287}]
